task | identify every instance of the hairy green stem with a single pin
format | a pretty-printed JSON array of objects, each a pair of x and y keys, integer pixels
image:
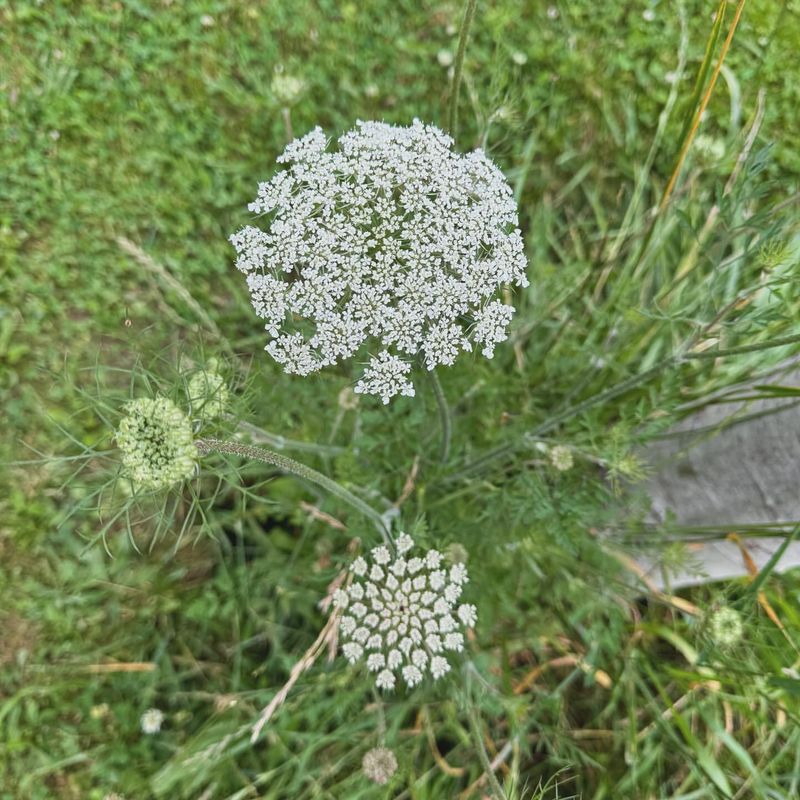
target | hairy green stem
[
  {"x": 477, "y": 735},
  {"x": 287, "y": 464},
  {"x": 444, "y": 416},
  {"x": 458, "y": 67}
]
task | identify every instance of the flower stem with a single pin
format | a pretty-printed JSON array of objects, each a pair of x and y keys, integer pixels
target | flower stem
[
  {"x": 477, "y": 735},
  {"x": 445, "y": 416},
  {"x": 455, "y": 86},
  {"x": 260, "y": 436},
  {"x": 287, "y": 464}
]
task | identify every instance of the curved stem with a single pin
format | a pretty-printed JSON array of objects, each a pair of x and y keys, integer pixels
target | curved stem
[
  {"x": 296, "y": 468},
  {"x": 444, "y": 416},
  {"x": 455, "y": 86}
]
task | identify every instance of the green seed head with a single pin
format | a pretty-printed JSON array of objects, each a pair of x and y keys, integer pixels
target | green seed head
[{"x": 157, "y": 444}]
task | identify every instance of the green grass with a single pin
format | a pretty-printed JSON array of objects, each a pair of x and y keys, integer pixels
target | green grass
[{"x": 138, "y": 120}]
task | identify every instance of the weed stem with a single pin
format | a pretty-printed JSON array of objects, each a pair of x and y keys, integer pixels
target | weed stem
[
  {"x": 444, "y": 415},
  {"x": 296, "y": 468},
  {"x": 455, "y": 86}
]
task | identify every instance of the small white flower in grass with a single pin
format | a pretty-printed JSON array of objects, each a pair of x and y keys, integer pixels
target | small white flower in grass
[
  {"x": 151, "y": 720},
  {"x": 379, "y": 765},
  {"x": 406, "y": 618},
  {"x": 561, "y": 457},
  {"x": 445, "y": 58},
  {"x": 392, "y": 242}
]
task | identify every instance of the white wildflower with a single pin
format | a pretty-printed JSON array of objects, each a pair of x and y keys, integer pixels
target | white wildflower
[
  {"x": 379, "y": 764},
  {"x": 151, "y": 720},
  {"x": 445, "y": 58},
  {"x": 407, "y": 620},
  {"x": 393, "y": 242},
  {"x": 561, "y": 457}
]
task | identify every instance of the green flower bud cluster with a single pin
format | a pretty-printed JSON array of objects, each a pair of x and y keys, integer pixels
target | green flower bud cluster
[
  {"x": 561, "y": 457},
  {"x": 725, "y": 627},
  {"x": 208, "y": 394},
  {"x": 157, "y": 443}
]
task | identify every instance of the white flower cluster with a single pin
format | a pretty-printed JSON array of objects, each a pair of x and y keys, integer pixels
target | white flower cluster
[
  {"x": 401, "y": 616},
  {"x": 379, "y": 764},
  {"x": 395, "y": 239},
  {"x": 151, "y": 720}
]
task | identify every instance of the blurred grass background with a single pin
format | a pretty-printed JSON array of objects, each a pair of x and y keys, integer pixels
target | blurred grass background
[{"x": 153, "y": 121}]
